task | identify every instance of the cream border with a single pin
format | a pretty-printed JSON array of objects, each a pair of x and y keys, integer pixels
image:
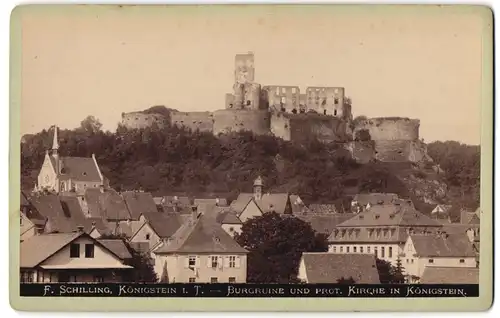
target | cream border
[{"x": 256, "y": 304}]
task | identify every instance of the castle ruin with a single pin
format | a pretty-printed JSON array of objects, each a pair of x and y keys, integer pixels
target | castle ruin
[{"x": 284, "y": 111}]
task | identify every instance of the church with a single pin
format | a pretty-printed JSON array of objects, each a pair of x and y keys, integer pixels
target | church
[{"x": 68, "y": 174}]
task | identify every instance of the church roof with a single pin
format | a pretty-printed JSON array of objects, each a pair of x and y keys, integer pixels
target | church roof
[{"x": 77, "y": 168}]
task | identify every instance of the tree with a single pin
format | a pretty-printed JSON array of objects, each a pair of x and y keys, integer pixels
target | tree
[
  {"x": 384, "y": 269},
  {"x": 398, "y": 276},
  {"x": 347, "y": 281},
  {"x": 143, "y": 271},
  {"x": 276, "y": 244},
  {"x": 91, "y": 124},
  {"x": 164, "y": 276}
]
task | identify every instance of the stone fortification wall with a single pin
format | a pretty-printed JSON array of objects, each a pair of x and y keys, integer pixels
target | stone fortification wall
[
  {"x": 282, "y": 97},
  {"x": 390, "y": 128},
  {"x": 202, "y": 121},
  {"x": 298, "y": 127},
  {"x": 139, "y": 120},
  {"x": 392, "y": 150},
  {"x": 362, "y": 151},
  {"x": 227, "y": 121}
]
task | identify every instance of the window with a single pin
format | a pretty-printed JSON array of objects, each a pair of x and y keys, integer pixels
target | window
[
  {"x": 335, "y": 112},
  {"x": 347, "y": 249},
  {"x": 336, "y": 101},
  {"x": 232, "y": 261},
  {"x": 74, "y": 250},
  {"x": 368, "y": 249},
  {"x": 192, "y": 261},
  {"x": 213, "y": 280},
  {"x": 334, "y": 249},
  {"x": 382, "y": 252},
  {"x": 89, "y": 250},
  {"x": 462, "y": 260},
  {"x": 293, "y": 90},
  {"x": 214, "y": 261},
  {"x": 431, "y": 261},
  {"x": 407, "y": 261},
  {"x": 232, "y": 279},
  {"x": 249, "y": 103},
  {"x": 390, "y": 251},
  {"x": 354, "y": 249},
  {"x": 283, "y": 90},
  {"x": 341, "y": 249},
  {"x": 375, "y": 250},
  {"x": 324, "y": 112},
  {"x": 361, "y": 249},
  {"x": 148, "y": 236},
  {"x": 412, "y": 260},
  {"x": 192, "y": 279},
  {"x": 231, "y": 229}
]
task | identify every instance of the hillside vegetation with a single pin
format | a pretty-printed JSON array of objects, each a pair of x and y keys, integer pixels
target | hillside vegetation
[{"x": 175, "y": 160}]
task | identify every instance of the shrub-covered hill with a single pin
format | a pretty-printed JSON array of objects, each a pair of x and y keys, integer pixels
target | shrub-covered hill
[{"x": 175, "y": 160}]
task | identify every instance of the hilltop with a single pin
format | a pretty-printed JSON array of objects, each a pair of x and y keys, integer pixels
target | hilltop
[{"x": 173, "y": 159}]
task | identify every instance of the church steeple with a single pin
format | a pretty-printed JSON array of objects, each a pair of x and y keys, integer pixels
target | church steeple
[
  {"x": 55, "y": 143},
  {"x": 257, "y": 188}
]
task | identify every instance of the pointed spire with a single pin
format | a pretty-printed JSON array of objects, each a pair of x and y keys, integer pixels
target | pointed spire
[{"x": 55, "y": 143}]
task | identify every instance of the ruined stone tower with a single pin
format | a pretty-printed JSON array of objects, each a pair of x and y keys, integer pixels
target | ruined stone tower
[{"x": 246, "y": 93}]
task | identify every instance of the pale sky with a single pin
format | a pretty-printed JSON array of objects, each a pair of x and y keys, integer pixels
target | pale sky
[{"x": 102, "y": 62}]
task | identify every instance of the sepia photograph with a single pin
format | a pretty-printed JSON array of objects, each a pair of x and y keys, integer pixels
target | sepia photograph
[{"x": 270, "y": 151}]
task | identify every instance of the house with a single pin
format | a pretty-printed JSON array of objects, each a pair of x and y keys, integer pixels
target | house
[
  {"x": 139, "y": 203},
  {"x": 31, "y": 222},
  {"x": 68, "y": 174},
  {"x": 381, "y": 230},
  {"x": 362, "y": 201},
  {"x": 229, "y": 222},
  {"x": 323, "y": 268},
  {"x": 212, "y": 201},
  {"x": 118, "y": 247},
  {"x": 442, "y": 250},
  {"x": 201, "y": 251},
  {"x": 298, "y": 206},
  {"x": 157, "y": 227},
  {"x": 68, "y": 257},
  {"x": 450, "y": 275},
  {"x": 104, "y": 203},
  {"x": 249, "y": 205}
]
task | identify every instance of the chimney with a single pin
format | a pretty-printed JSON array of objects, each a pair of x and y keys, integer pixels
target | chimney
[
  {"x": 101, "y": 188},
  {"x": 194, "y": 213}
]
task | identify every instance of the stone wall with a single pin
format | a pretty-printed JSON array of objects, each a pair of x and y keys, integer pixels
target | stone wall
[
  {"x": 139, "y": 120},
  {"x": 392, "y": 150},
  {"x": 390, "y": 128},
  {"x": 326, "y": 100},
  {"x": 227, "y": 121},
  {"x": 202, "y": 121},
  {"x": 286, "y": 97},
  {"x": 362, "y": 151},
  {"x": 299, "y": 127}
]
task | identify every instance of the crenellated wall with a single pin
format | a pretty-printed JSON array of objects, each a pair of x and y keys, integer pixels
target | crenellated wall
[
  {"x": 390, "y": 128},
  {"x": 139, "y": 120},
  {"x": 227, "y": 121},
  {"x": 203, "y": 121}
]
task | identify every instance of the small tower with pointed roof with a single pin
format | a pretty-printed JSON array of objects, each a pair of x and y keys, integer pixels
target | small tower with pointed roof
[
  {"x": 257, "y": 188},
  {"x": 55, "y": 149}
]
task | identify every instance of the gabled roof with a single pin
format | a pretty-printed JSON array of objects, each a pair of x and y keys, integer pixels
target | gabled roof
[
  {"x": 457, "y": 245},
  {"x": 117, "y": 246},
  {"x": 59, "y": 212},
  {"x": 268, "y": 203},
  {"x": 127, "y": 228},
  {"x": 138, "y": 203},
  {"x": 325, "y": 223},
  {"x": 329, "y": 267},
  {"x": 202, "y": 235},
  {"x": 375, "y": 198},
  {"x": 450, "y": 275},
  {"x": 164, "y": 225},
  {"x": 108, "y": 204},
  {"x": 390, "y": 215},
  {"x": 38, "y": 248},
  {"x": 180, "y": 200},
  {"x": 298, "y": 205},
  {"x": 77, "y": 168},
  {"x": 441, "y": 208}
]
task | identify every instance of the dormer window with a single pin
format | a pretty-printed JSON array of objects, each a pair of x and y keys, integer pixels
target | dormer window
[
  {"x": 377, "y": 217},
  {"x": 84, "y": 173}
]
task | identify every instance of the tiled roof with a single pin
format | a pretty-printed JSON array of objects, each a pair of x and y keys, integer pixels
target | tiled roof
[
  {"x": 108, "y": 204},
  {"x": 328, "y": 268},
  {"x": 322, "y": 208},
  {"x": 117, "y": 246},
  {"x": 164, "y": 225},
  {"x": 202, "y": 235},
  {"x": 298, "y": 205},
  {"x": 389, "y": 214},
  {"x": 241, "y": 202},
  {"x": 127, "y": 228},
  {"x": 269, "y": 202},
  {"x": 368, "y": 235},
  {"x": 450, "y": 275},
  {"x": 51, "y": 209},
  {"x": 78, "y": 168},
  {"x": 375, "y": 198},
  {"x": 38, "y": 248},
  {"x": 457, "y": 245},
  {"x": 181, "y": 200},
  {"x": 138, "y": 203},
  {"x": 216, "y": 201},
  {"x": 228, "y": 217},
  {"x": 324, "y": 223}
]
